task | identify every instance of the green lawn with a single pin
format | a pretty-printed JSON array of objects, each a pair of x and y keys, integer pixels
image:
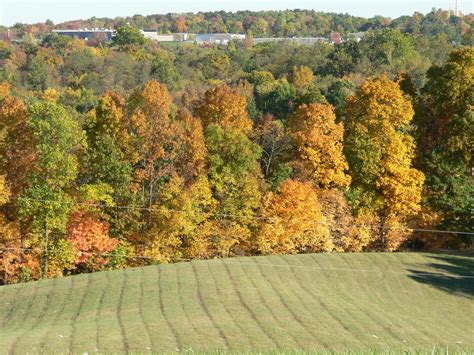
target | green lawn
[{"x": 337, "y": 302}]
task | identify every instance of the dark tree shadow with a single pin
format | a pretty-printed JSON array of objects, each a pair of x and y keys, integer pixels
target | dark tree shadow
[{"x": 450, "y": 272}]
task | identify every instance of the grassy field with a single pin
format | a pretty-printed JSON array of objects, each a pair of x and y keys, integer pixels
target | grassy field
[{"x": 335, "y": 302}]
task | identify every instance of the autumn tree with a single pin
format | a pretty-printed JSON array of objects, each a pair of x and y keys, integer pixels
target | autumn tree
[
  {"x": 178, "y": 224},
  {"x": 90, "y": 238},
  {"x": 348, "y": 233},
  {"x": 226, "y": 107},
  {"x": 18, "y": 152},
  {"x": 156, "y": 138},
  {"x": 16, "y": 262},
  {"x": 191, "y": 158},
  {"x": 181, "y": 225},
  {"x": 180, "y": 24},
  {"x": 318, "y": 144},
  {"x": 380, "y": 151},
  {"x": 294, "y": 222},
  {"x": 109, "y": 156},
  {"x": 236, "y": 183},
  {"x": 233, "y": 169}
]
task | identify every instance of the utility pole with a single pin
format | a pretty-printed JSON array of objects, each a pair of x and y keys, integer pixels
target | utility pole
[
  {"x": 456, "y": 8},
  {"x": 46, "y": 249}
]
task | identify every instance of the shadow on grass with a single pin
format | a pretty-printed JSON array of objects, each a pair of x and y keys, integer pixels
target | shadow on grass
[{"x": 451, "y": 273}]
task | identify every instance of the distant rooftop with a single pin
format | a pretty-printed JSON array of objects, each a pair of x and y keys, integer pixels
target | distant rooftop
[{"x": 86, "y": 30}]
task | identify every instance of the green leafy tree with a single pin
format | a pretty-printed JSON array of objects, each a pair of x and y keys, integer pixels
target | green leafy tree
[
  {"x": 47, "y": 203},
  {"x": 445, "y": 123},
  {"x": 128, "y": 35}
]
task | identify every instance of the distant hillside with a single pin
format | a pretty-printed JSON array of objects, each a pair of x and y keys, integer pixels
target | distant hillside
[
  {"x": 365, "y": 302},
  {"x": 288, "y": 23}
]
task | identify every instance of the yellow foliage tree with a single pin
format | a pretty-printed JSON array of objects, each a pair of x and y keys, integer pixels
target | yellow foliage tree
[
  {"x": 294, "y": 221},
  {"x": 191, "y": 162},
  {"x": 318, "y": 140},
  {"x": 180, "y": 226},
  {"x": 226, "y": 107},
  {"x": 303, "y": 77},
  {"x": 348, "y": 233},
  {"x": 380, "y": 151}
]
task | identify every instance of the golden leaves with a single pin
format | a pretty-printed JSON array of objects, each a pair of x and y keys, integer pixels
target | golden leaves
[{"x": 319, "y": 146}]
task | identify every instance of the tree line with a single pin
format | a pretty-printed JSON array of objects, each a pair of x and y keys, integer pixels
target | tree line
[
  {"x": 133, "y": 153},
  {"x": 285, "y": 23}
]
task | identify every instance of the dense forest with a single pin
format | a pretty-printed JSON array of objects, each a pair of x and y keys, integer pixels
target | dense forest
[{"x": 134, "y": 152}]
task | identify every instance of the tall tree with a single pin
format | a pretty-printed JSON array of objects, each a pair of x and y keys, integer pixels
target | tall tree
[
  {"x": 380, "y": 151},
  {"x": 109, "y": 156},
  {"x": 271, "y": 135},
  {"x": 156, "y": 138},
  {"x": 47, "y": 203},
  {"x": 233, "y": 169},
  {"x": 445, "y": 122},
  {"x": 128, "y": 35}
]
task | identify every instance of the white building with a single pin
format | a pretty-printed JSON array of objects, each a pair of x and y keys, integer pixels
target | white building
[
  {"x": 172, "y": 37},
  {"x": 218, "y": 38}
]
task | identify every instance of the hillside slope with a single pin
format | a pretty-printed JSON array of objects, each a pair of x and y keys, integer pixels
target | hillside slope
[{"x": 314, "y": 302}]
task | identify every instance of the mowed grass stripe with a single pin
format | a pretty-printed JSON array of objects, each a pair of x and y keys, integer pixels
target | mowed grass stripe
[
  {"x": 395, "y": 291},
  {"x": 295, "y": 305},
  {"x": 347, "y": 298},
  {"x": 322, "y": 314},
  {"x": 131, "y": 321},
  {"x": 374, "y": 304},
  {"x": 161, "y": 335},
  {"x": 30, "y": 340},
  {"x": 173, "y": 309},
  {"x": 242, "y": 330},
  {"x": 8, "y": 304},
  {"x": 110, "y": 333},
  {"x": 380, "y": 296},
  {"x": 17, "y": 318},
  {"x": 54, "y": 336},
  {"x": 359, "y": 302},
  {"x": 171, "y": 325},
  {"x": 211, "y": 309},
  {"x": 142, "y": 311},
  {"x": 422, "y": 325},
  {"x": 251, "y": 299}
]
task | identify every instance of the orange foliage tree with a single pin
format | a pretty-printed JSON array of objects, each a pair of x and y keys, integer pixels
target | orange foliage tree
[
  {"x": 90, "y": 236},
  {"x": 156, "y": 137},
  {"x": 18, "y": 153}
]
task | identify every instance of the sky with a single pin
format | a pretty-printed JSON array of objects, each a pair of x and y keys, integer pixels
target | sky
[{"x": 32, "y": 11}]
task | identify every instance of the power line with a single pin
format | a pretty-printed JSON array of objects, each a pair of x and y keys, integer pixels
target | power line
[
  {"x": 224, "y": 261},
  {"x": 139, "y": 208},
  {"x": 234, "y": 216}
]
